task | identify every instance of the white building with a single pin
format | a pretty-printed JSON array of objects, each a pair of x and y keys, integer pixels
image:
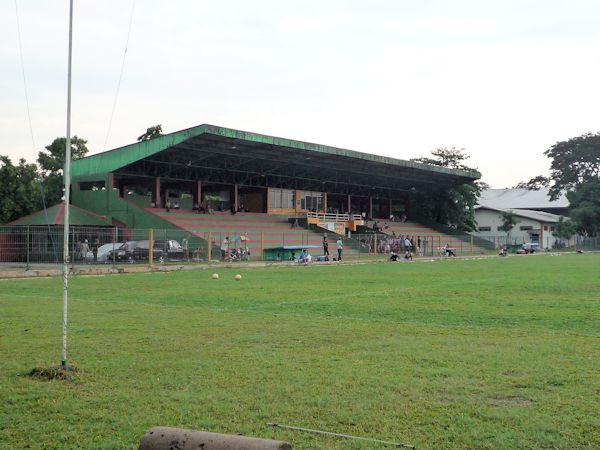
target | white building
[
  {"x": 532, "y": 226},
  {"x": 523, "y": 199}
]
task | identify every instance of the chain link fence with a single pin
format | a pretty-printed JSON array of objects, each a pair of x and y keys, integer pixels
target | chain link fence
[{"x": 27, "y": 246}]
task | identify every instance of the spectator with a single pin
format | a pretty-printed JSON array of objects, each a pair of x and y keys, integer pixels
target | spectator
[
  {"x": 168, "y": 205},
  {"x": 185, "y": 246},
  {"x": 84, "y": 249},
  {"x": 95, "y": 246},
  {"x": 325, "y": 246},
  {"x": 448, "y": 251},
  {"x": 224, "y": 248},
  {"x": 340, "y": 248},
  {"x": 305, "y": 257},
  {"x": 407, "y": 244}
]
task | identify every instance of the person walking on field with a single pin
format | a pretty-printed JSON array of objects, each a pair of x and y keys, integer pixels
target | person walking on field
[
  {"x": 340, "y": 248},
  {"x": 325, "y": 246}
]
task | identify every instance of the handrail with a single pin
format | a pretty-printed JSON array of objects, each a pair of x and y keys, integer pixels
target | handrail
[{"x": 334, "y": 217}]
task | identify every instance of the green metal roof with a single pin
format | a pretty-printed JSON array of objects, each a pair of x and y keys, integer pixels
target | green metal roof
[
  {"x": 113, "y": 160},
  {"x": 55, "y": 216}
]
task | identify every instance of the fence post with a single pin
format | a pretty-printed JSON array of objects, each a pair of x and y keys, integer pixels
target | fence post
[
  {"x": 73, "y": 252},
  {"x": 375, "y": 246},
  {"x": 27, "y": 244},
  {"x": 114, "y": 254},
  {"x": 209, "y": 250},
  {"x": 262, "y": 245},
  {"x": 151, "y": 248},
  {"x": 471, "y": 244}
]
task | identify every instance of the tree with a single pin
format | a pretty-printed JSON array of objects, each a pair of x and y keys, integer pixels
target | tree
[
  {"x": 574, "y": 162},
  {"x": 453, "y": 207},
  {"x": 151, "y": 133},
  {"x": 19, "y": 189},
  {"x": 584, "y": 207},
  {"x": 453, "y": 158},
  {"x": 52, "y": 161},
  {"x": 535, "y": 184},
  {"x": 509, "y": 220},
  {"x": 565, "y": 228}
]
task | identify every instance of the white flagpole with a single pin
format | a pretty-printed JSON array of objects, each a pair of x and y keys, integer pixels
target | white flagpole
[{"x": 67, "y": 180}]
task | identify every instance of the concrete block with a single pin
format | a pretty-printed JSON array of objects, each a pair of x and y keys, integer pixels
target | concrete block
[{"x": 166, "y": 438}]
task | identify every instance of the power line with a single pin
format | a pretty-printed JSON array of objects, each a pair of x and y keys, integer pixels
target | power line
[
  {"x": 114, "y": 106},
  {"x": 43, "y": 195},
  {"x": 23, "y": 74}
]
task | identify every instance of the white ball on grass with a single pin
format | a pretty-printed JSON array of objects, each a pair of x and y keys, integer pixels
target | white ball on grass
[
  {"x": 215, "y": 276},
  {"x": 238, "y": 277}
]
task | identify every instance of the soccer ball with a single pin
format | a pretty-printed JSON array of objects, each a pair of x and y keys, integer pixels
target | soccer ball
[
  {"x": 238, "y": 277},
  {"x": 215, "y": 276}
]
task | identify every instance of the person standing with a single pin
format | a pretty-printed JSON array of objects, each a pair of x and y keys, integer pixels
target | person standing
[
  {"x": 95, "y": 246},
  {"x": 225, "y": 248},
  {"x": 340, "y": 248},
  {"x": 168, "y": 205},
  {"x": 185, "y": 245},
  {"x": 325, "y": 246},
  {"x": 84, "y": 249}
]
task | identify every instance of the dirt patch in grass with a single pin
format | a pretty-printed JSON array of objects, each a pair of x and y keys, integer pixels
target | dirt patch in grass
[
  {"x": 67, "y": 373},
  {"x": 511, "y": 400}
]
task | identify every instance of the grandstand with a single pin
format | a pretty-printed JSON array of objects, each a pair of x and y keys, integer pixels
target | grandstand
[{"x": 254, "y": 184}]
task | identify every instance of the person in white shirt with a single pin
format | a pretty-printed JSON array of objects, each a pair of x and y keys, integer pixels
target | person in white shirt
[{"x": 340, "y": 248}]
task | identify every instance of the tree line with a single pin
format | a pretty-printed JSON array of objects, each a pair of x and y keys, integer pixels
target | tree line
[
  {"x": 575, "y": 172},
  {"x": 28, "y": 187}
]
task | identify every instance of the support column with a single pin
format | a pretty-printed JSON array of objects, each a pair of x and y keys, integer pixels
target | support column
[
  {"x": 235, "y": 197},
  {"x": 122, "y": 191},
  {"x": 111, "y": 181},
  {"x": 197, "y": 193},
  {"x": 349, "y": 205},
  {"x": 370, "y": 207},
  {"x": 324, "y": 202},
  {"x": 157, "y": 201},
  {"x": 391, "y": 207}
]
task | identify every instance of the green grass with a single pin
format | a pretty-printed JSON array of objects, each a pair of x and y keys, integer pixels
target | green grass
[{"x": 497, "y": 353}]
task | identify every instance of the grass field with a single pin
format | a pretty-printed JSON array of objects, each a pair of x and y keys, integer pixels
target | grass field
[{"x": 496, "y": 353}]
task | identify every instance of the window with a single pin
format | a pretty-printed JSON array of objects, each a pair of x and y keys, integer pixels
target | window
[
  {"x": 485, "y": 228},
  {"x": 551, "y": 228},
  {"x": 500, "y": 228},
  {"x": 545, "y": 227},
  {"x": 311, "y": 201},
  {"x": 525, "y": 227},
  {"x": 281, "y": 198},
  {"x": 91, "y": 185}
]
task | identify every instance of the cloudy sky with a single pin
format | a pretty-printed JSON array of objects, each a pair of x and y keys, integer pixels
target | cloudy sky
[{"x": 502, "y": 79}]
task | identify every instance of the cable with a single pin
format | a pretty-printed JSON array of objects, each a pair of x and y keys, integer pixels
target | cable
[
  {"x": 114, "y": 107},
  {"x": 23, "y": 74},
  {"x": 43, "y": 196}
]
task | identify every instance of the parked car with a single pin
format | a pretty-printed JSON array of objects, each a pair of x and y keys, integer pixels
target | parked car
[
  {"x": 123, "y": 253},
  {"x": 162, "y": 250},
  {"x": 105, "y": 251},
  {"x": 529, "y": 247}
]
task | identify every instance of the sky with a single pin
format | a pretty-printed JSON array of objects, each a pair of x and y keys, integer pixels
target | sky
[{"x": 504, "y": 80}]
